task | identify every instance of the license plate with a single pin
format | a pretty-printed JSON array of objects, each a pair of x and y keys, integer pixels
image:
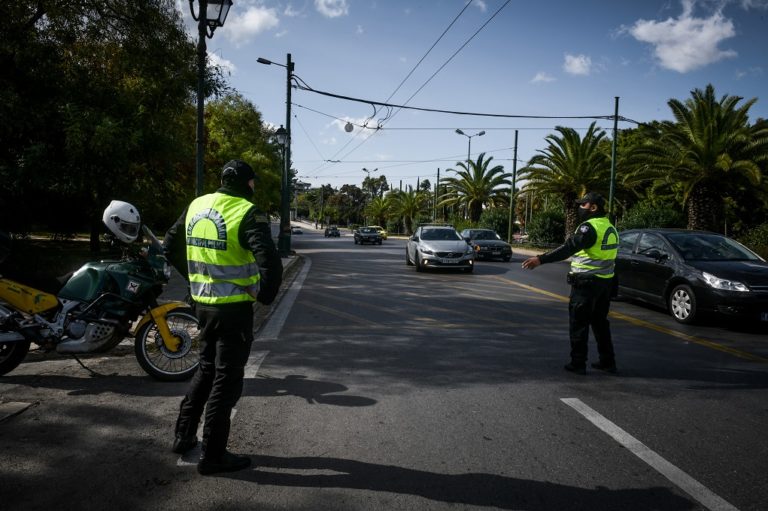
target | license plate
[
  {"x": 448, "y": 261},
  {"x": 764, "y": 316},
  {"x": 496, "y": 253}
]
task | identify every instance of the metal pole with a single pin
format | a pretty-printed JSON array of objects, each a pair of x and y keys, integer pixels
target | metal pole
[
  {"x": 437, "y": 189},
  {"x": 512, "y": 194},
  {"x": 613, "y": 160},
  {"x": 199, "y": 140},
  {"x": 284, "y": 238}
]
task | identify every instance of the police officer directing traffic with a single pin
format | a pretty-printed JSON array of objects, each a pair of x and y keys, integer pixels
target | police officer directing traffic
[
  {"x": 224, "y": 246},
  {"x": 593, "y": 246}
]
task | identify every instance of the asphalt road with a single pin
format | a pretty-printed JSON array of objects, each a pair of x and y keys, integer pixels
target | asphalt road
[{"x": 372, "y": 386}]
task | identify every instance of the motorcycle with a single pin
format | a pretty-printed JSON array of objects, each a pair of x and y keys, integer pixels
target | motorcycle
[{"x": 98, "y": 307}]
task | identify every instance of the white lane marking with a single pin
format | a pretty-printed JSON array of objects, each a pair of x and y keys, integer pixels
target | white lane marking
[
  {"x": 685, "y": 482},
  {"x": 272, "y": 329},
  {"x": 254, "y": 362}
]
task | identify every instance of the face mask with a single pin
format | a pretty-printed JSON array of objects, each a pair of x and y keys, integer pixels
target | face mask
[{"x": 584, "y": 214}]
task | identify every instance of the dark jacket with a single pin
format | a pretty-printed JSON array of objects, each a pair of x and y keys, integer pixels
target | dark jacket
[{"x": 255, "y": 235}]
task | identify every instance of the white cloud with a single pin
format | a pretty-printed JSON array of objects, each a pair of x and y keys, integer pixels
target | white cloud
[
  {"x": 291, "y": 12},
  {"x": 359, "y": 30},
  {"x": 282, "y": 33},
  {"x": 752, "y": 71},
  {"x": 541, "y": 76},
  {"x": 332, "y": 8},
  {"x": 577, "y": 64},
  {"x": 223, "y": 63},
  {"x": 686, "y": 43},
  {"x": 480, "y": 4},
  {"x": 241, "y": 29}
]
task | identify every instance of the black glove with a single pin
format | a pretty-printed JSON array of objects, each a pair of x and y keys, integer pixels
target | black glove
[{"x": 265, "y": 298}]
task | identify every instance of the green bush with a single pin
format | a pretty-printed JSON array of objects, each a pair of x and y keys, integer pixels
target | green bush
[
  {"x": 498, "y": 220},
  {"x": 644, "y": 215},
  {"x": 757, "y": 240},
  {"x": 547, "y": 227}
]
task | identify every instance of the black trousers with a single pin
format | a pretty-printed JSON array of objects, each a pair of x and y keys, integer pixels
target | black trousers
[
  {"x": 589, "y": 305},
  {"x": 225, "y": 343}
]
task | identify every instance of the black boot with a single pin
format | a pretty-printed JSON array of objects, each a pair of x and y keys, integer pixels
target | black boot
[
  {"x": 227, "y": 462},
  {"x": 607, "y": 367},
  {"x": 576, "y": 368},
  {"x": 182, "y": 444}
]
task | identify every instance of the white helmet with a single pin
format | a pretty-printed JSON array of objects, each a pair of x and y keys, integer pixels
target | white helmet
[{"x": 123, "y": 220}]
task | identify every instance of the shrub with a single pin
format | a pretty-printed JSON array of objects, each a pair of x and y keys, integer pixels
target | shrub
[
  {"x": 547, "y": 227},
  {"x": 498, "y": 220},
  {"x": 645, "y": 215},
  {"x": 757, "y": 240}
]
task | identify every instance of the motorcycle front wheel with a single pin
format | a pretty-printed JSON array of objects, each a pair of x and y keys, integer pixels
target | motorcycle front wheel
[
  {"x": 11, "y": 355},
  {"x": 162, "y": 363}
]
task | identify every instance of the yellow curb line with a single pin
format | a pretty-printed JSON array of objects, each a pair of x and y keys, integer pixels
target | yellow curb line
[{"x": 640, "y": 322}]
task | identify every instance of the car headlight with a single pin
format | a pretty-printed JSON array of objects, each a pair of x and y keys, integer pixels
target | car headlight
[
  {"x": 725, "y": 285},
  {"x": 427, "y": 251},
  {"x": 469, "y": 249}
]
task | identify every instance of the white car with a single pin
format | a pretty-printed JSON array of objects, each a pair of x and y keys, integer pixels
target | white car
[{"x": 439, "y": 246}]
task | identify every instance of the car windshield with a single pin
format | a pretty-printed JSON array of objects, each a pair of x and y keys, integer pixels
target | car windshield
[
  {"x": 368, "y": 230},
  {"x": 710, "y": 247},
  {"x": 440, "y": 235},
  {"x": 485, "y": 235}
]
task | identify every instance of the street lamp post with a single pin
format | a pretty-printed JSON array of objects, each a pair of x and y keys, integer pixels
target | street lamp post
[
  {"x": 284, "y": 238},
  {"x": 211, "y": 14},
  {"x": 469, "y": 143}
]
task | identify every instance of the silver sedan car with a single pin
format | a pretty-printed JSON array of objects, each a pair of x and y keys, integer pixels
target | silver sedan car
[{"x": 439, "y": 246}]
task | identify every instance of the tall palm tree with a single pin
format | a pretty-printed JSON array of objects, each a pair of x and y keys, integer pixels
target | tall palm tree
[
  {"x": 410, "y": 205},
  {"x": 476, "y": 186},
  {"x": 379, "y": 209},
  {"x": 706, "y": 153},
  {"x": 568, "y": 167}
]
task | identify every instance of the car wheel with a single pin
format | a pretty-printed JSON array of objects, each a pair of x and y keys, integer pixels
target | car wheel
[
  {"x": 355, "y": 241},
  {"x": 407, "y": 259},
  {"x": 417, "y": 262},
  {"x": 682, "y": 304},
  {"x": 506, "y": 259}
]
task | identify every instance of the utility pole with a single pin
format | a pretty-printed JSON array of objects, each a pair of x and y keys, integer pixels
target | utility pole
[
  {"x": 613, "y": 160},
  {"x": 437, "y": 189},
  {"x": 512, "y": 194}
]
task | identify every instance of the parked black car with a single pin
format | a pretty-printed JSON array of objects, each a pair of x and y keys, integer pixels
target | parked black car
[
  {"x": 692, "y": 273},
  {"x": 487, "y": 244},
  {"x": 332, "y": 232},
  {"x": 367, "y": 235}
]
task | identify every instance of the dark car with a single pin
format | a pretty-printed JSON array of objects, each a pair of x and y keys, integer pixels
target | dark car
[
  {"x": 332, "y": 232},
  {"x": 487, "y": 244},
  {"x": 367, "y": 235},
  {"x": 692, "y": 273}
]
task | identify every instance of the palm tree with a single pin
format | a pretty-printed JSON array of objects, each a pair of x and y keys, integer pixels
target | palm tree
[
  {"x": 708, "y": 152},
  {"x": 476, "y": 186},
  {"x": 379, "y": 209},
  {"x": 410, "y": 205},
  {"x": 569, "y": 167}
]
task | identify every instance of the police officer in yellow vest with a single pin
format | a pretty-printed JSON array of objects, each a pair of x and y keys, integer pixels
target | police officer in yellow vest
[
  {"x": 593, "y": 246},
  {"x": 223, "y": 244}
]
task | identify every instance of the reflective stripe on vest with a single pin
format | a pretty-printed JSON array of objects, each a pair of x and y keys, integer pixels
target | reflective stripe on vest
[
  {"x": 598, "y": 259},
  {"x": 220, "y": 269}
]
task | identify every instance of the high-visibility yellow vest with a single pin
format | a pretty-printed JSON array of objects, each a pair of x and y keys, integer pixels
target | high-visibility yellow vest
[
  {"x": 598, "y": 260},
  {"x": 220, "y": 269}
]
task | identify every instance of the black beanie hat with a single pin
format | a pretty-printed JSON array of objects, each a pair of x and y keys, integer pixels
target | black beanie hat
[{"x": 237, "y": 173}]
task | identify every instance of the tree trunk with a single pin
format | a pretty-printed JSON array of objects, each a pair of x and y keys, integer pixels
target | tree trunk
[
  {"x": 571, "y": 215},
  {"x": 705, "y": 209},
  {"x": 95, "y": 245}
]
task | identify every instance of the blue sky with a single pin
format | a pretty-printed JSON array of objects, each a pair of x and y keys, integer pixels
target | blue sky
[{"x": 546, "y": 58}]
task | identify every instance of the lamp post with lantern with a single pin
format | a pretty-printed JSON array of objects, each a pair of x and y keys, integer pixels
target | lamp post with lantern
[{"x": 211, "y": 14}]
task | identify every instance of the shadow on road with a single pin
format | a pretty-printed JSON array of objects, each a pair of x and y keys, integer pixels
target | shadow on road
[{"x": 474, "y": 489}]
